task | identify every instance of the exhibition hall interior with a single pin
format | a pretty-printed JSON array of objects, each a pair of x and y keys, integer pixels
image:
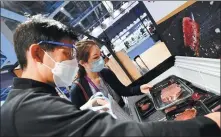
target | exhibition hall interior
[{"x": 172, "y": 46}]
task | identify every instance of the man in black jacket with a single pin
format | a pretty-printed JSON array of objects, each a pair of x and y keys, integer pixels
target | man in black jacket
[{"x": 33, "y": 107}]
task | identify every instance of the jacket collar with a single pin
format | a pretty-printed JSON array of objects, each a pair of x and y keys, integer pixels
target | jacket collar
[{"x": 24, "y": 83}]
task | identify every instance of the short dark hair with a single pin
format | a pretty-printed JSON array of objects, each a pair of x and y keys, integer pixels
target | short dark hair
[{"x": 39, "y": 28}]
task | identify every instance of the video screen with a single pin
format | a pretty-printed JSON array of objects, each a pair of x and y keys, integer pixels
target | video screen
[{"x": 194, "y": 31}]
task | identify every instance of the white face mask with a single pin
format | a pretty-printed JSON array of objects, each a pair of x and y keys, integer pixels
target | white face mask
[{"x": 64, "y": 72}]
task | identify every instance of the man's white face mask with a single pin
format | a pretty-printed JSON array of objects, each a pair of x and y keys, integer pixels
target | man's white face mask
[{"x": 63, "y": 72}]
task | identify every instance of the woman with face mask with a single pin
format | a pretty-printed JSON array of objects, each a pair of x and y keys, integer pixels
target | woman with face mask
[{"x": 93, "y": 77}]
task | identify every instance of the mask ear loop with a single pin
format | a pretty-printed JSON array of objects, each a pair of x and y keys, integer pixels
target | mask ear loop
[{"x": 50, "y": 58}]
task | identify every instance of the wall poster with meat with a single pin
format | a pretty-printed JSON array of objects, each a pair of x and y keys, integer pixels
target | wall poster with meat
[{"x": 194, "y": 31}]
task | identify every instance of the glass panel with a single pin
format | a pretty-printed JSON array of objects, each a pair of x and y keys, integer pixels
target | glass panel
[
  {"x": 3, "y": 58},
  {"x": 89, "y": 20},
  {"x": 31, "y": 7},
  {"x": 94, "y": 3},
  {"x": 78, "y": 27},
  {"x": 101, "y": 10},
  {"x": 136, "y": 42},
  {"x": 133, "y": 34},
  {"x": 62, "y": 17},
  {"x": 76, "y": 8},
  {"x": 72, "y": 9},
  {"x": 117, "y": 4},
  {"x": 12, "y": 24},
  {"x": 92, "y": 18}
]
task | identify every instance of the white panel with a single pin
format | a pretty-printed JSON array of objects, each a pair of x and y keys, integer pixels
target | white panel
[
  {"x": 199, "y": 67},
  {"x": 160, "y": 9},
  {"x": 190, "y": 75},
  {"x": 203, "y": 61},
  {"x": 208, "y": 70},
  {"x": 211, "y": 81},
  {"x": 203, "y": 72},
  {"x": 207, "y": 65}
]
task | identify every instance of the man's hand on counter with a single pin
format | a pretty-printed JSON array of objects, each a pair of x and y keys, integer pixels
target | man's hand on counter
[{"x": 145, "y": 88}]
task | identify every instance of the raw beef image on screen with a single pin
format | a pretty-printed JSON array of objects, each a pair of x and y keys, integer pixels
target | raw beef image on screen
[
  {"x": 145, "y": 106},
  {"x": 170, "y": 93},
  {"x": 187, "y": 114},
  {"x": 191, "y": 34}
]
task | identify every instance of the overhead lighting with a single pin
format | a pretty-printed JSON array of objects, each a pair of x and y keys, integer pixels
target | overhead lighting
[{"x": 62, "y": 8}]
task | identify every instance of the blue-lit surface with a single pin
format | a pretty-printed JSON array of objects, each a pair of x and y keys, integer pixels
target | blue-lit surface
[
  {"x": 4, "y": 93},
  {"x": 3, "y": 58},
  {"x": 74, "y": 21},
  {"x": 8, "y": 50},
  {"x": 50, "y": 8},
  {"x": 12, "y": 15}
]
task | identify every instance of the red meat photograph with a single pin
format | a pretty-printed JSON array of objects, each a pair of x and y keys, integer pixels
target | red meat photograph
[
  {"x": 194, "y": 31},
  {"x": 191, "y": 34}
]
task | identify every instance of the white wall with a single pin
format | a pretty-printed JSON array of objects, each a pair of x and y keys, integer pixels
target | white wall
[{"x": 160, "y": 9}]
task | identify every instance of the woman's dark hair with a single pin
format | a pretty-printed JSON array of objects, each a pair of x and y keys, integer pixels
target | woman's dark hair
[{"x": 83, "y": 52}]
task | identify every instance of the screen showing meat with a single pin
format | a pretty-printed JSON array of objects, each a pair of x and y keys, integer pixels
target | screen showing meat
[
  {"x": 170, "y": 93},
  {"x": 187, "y": 114},
  {"x": 144, "y": 106},
  {"x": 191, "y": 34},
  {"x": 196, "y": 96}
]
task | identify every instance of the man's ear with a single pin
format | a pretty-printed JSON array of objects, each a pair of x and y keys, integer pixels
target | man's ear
[{"x": 36, "y": 53}]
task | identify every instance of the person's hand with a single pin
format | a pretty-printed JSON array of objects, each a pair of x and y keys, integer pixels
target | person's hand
[
  {"x": 215, "y": 117},
  {"x": 94, "y": 102},
  {"x": 145, "y": 88},
  {"x": 98, "y": 102}
]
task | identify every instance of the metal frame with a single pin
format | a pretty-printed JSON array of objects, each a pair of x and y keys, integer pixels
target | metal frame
[
  {"x": 76, "y": 21},
  {"x": 51, "y": 16},
  {"x": 152, "y": 20},
  {"x": 108, "y": 43},
  {"x": 12, "y": 15}
]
